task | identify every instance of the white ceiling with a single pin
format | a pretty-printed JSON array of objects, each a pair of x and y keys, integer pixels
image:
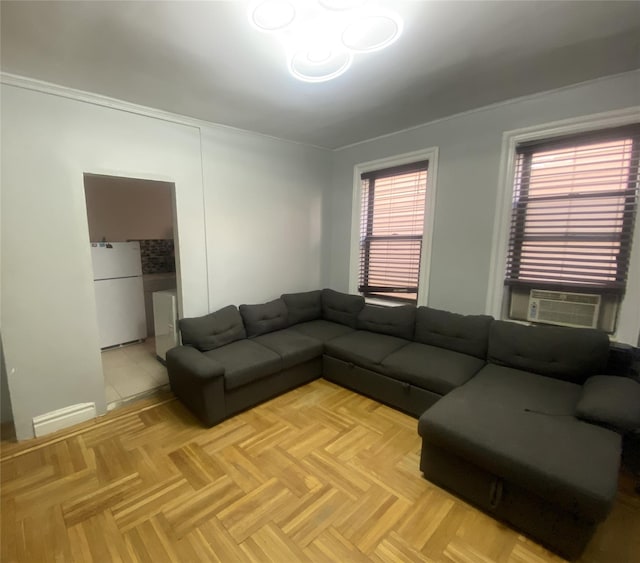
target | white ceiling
[{"x": 203, "y": 59}]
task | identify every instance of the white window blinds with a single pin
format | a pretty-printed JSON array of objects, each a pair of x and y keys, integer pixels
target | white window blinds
[
  {"x": 573, "y": 213},
  {"x": 391, "y": 231}
]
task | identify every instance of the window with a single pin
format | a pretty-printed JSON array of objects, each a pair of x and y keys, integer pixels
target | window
[
  {"x": 573, "y": 212},
  {"x": 391, "y": 231}
]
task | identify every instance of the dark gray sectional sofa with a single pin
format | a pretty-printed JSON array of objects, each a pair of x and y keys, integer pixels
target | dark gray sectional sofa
[{"x": 506, "y": 418}]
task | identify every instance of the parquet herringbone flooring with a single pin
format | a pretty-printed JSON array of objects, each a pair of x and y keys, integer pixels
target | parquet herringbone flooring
[{"x": 317, "y": 474}]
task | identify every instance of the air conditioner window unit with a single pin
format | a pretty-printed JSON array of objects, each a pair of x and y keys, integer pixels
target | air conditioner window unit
[{"x": 561, "y": 308}]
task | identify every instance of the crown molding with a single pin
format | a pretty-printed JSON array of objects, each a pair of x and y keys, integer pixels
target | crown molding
[
  {"x": 27, "y": 83},
  {"x": 488, "y": 107},
  {"x": 84, "y": 96}
]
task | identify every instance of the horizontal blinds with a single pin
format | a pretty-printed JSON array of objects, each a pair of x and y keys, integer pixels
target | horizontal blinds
[
  {"x": 393, "y": 204},
  {"x": 574, "y": 207}
]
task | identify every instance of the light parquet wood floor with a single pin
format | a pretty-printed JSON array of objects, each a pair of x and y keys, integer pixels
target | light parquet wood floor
[{"x": 318, "y": 474}]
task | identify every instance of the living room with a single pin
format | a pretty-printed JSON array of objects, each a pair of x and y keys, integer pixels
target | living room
[{"x": 241, "y": 194}]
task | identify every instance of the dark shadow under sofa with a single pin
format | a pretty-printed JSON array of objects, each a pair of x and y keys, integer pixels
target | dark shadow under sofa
[{"x": 506, "y": 418}]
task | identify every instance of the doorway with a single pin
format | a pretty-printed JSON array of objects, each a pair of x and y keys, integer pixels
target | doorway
[{"x": 131, "y": 226}]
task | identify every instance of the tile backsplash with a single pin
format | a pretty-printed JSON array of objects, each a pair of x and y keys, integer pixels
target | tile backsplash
[{"x": 157, "y": 256}]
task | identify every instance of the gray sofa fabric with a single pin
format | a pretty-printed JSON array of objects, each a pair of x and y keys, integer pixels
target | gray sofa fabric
[
  {"x": 561, "y": 531},
  {"x": 341, "y": 308},
  {"x": 213, "y": 330},
  {"x": 261, "y": 390},
  {"x": 245, "y": 361},
  {"x": 393, "y": 321},
  {"x": 322, "y": 330},
  {"x": 611, "y": 401},
  {"x": 199, "y": 365},
  {"x": 525, "y": 390},
  {"x": 504, "y": 418},
  {"x": 398, "y": 394},
  {"x": 303, "y": 307},
  {"x": 363, "y": 348},
  {"x": 563, "y": 353},
  {"x": 467, "y": 334},
  {"x": 265, "y": 317},
  {"x": 293, "y": 347},
  {"x": 198, "y": 382},
  {"x": 526, "y": 433},
  {"x": 437, "y": 369}
]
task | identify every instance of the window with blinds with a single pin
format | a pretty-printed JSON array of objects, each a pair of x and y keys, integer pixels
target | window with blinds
[
  {"x": 391, "y": 231},
  {"x": 573, "y": 213}
]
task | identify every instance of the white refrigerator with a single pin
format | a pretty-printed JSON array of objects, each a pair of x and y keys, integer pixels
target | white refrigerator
[{"x": 117, "y": 280}]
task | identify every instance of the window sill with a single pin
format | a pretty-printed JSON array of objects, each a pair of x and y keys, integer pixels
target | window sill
[{"x": 383, "y": 302}]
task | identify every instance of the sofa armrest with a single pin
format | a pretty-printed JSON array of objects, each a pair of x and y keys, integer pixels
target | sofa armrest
[
  {"x": 189, "y": 361},
  {"x": 199, "y": 383},
  {"x": 611, "y": 401}
]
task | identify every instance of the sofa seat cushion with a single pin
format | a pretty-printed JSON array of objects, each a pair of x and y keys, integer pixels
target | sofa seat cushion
[
  {"x": 363, "y": 348},
  {"x": 432, "y": 368},
  {"x": 520, "y": 426},
  {"x": 322, "y": 330},
  {"x": 293, "y": 347},
  {"x": 245, "y": 361}
]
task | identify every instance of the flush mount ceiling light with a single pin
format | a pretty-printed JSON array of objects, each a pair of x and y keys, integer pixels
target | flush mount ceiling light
[
  {"x": 372, "y": 32},
  {"x": 321, "y": 37},
  {"x": 341, "y": 4},
  {"x": 273, "y": 15},
  {"x": 319, "y": 64}
]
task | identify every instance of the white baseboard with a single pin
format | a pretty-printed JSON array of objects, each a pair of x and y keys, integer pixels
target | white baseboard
[{"x": 68, "y": 416}]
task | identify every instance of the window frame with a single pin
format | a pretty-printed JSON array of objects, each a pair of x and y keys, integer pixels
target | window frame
[
  {"x": 497, "y": 300},
  {"x": 520, "y": 233},
  {"x": 430, "y": 155}
]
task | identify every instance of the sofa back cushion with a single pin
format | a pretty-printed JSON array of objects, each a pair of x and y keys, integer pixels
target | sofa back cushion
[
  {"x": 468, "y": 334},
  {"x": 570, "y": 354},
  {"x": 213, "y": 330},
  {"x": 341, "y": 307},
  {"x": 263, "y": 318},
  {"x": 303, "y": 307},
  {"x": 395, "y": 321}
]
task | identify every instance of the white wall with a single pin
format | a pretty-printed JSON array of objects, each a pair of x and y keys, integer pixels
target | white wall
[
  {"x": 258, "y": 194},
  {"x": 263, "y": 201},
  {"x": 5, "y": 401},
  {"x": 267, "y": 217},
  {"x": 50, "y": 332},
  {"x": 468, "y": 171},
  {"x": 121, "y": 209}
]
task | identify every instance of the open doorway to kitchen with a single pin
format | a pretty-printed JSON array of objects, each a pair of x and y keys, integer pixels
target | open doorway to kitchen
[{"x": 131, "y": 228}]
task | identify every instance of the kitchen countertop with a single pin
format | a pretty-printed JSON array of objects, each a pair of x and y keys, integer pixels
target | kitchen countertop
[
  {"x": 158, "y": 282},
  {"x": 162, "y": 276}
]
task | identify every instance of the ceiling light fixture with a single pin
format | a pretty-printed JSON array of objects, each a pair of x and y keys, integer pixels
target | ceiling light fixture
[
  {"x": 321, "y": 37},
  {"x": 306, "y": 65},
  {"x": 273, "y": 15},
  {"x": 341, "y": 4},
  {"x": 372, "y": 32}
]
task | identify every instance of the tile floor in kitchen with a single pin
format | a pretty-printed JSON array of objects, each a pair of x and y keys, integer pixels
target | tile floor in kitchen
[{"x": 131, "y": 371}]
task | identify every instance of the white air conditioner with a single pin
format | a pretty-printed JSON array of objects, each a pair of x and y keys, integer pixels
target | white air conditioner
[{"x": 565, "y": 309}]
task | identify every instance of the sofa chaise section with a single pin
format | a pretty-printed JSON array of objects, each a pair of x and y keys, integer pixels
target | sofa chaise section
[
  {"x": 509, "y": 442},
  {"x": 506, "y": 418}
]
